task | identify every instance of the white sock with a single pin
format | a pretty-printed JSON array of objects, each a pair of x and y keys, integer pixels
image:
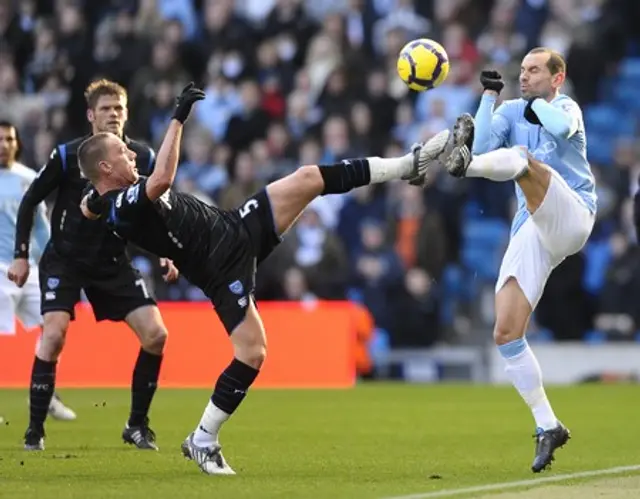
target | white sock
[
  {"x": 207, "y": 431},
  {"x": 499, "y": 165},
  {"x": 386, "y": 169},
  {"x": 523, "y": 370}
]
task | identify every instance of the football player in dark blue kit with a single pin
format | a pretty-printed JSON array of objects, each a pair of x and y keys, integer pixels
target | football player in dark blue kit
[
  {"x": 86, "y": 255},
  {"x": 219, "y": 250}
]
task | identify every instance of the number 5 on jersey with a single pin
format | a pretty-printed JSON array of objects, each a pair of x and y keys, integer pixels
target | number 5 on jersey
[{"x": 248, "y": 207}]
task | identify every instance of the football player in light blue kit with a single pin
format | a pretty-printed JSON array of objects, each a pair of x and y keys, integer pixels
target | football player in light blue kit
[
  {"x": 23, "y": 302},
  {"x": 539, "y": 142}
]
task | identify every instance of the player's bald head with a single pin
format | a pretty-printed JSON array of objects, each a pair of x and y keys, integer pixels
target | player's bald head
[{"x": 92, "y": 152}]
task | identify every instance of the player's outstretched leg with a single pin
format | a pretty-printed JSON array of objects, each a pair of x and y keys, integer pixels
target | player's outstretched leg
[
  {"x": 148, "y": 325},
  {"x": 43, "y": 376},
  {"x": 500, "y": 165},
  {"x": 290, "y": 195}
]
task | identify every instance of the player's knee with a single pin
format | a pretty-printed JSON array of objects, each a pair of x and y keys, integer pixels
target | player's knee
[
  {"x": 309, "y": 177},
  {"x": 505, "y": 333},
  {"x": 154, "y": 338},
  {"x": 507, "y": 329},
  {"x": 253, "y": 354}
]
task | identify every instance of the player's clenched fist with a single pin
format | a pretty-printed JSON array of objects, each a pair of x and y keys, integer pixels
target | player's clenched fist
[
  {"x": 185, "y": 101},
  {"x": 492, "y": 80},
  {"x": 19, "y": 271},
  {"x": 172, "y": 273}
]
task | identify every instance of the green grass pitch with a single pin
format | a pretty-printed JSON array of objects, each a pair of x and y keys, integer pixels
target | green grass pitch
[{"x": 372, "y": 442}]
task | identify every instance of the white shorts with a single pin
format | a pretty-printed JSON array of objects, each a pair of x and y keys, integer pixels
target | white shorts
[
  {"x": 21, "y": 302},
  {"x": 559, "y": 228}
]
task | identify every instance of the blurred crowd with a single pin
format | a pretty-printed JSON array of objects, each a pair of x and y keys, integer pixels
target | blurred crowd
[{"x": 293, "y": 82}]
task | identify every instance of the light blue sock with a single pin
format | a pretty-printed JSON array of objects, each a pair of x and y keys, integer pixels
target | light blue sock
[
  {"x": 513, "y": 348},
  {"x": 523, "y": 370}
]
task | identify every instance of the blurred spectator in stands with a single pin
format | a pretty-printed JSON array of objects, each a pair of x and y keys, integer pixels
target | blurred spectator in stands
[
  {"x": 418, "y": 233},
  {"x": 314, "y": 249},
  {"x": 618, "y": 312},
  {"x": 245, "y": 182},
  {"x": 414, "y": 311},
  {"x": 250, "y": 122},
  {"x": 377, "y": 272}
]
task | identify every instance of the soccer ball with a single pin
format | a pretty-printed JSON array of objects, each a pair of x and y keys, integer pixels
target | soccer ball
[{"x": 423, "y": 64}]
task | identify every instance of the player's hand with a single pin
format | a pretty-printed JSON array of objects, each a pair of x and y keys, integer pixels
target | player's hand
[
  {"x": 84, "y": 207},
  {"x": 492, "y": 80},
  {"x": 185, "y": 101},
  {"x": 172, "y": 273},
  {"x": 19, "y": 271},
  {"x": 529, "y": 114}
]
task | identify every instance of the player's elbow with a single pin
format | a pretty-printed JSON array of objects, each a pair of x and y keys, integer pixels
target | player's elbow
[{"x": 157, "y": 186}]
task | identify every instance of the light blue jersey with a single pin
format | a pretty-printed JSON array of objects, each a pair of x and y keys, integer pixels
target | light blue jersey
[
  {"x": 14, "y": 181},
  {"x": 560, "y": 142}
]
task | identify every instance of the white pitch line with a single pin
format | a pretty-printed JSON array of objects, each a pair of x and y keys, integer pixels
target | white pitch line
[{"x": 520, "y": 483}]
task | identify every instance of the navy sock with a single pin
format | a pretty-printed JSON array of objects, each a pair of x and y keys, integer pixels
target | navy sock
[
  {"x": 232, "y": 386},
  {"x": 43, "y": 380},
  {"x": 143, "y": 386},
  {"x": 342, "y": 177}
]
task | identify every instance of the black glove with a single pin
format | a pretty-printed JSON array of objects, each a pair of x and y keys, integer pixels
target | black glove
[
  {"x": 529, "y": 114},
  {"x": 185, "y": 101},
  {"x": 492, "y": 80}
]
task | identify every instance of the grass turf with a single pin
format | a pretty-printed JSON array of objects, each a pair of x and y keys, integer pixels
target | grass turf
[{"x": 375, "y": 441}]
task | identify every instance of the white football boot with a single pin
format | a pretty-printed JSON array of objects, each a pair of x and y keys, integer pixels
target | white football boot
[
  {"x": 428, "y": 156},
  {"x": 59, "y": 411},
  {"x": 209, "y": 459}
]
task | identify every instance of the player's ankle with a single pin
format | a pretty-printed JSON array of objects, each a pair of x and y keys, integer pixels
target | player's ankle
[{"x": 203, "y": 438}]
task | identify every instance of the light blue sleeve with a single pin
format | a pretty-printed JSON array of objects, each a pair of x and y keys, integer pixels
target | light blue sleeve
[
  {"x": 561, "y": 118},
  {"x": 42, "y": 230},
  {"x": 492, "y": 128}
]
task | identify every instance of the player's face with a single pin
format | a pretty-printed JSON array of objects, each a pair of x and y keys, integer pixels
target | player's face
[
  {"x": 8, "y": 146},
  {"x": 123, "y": 162},
  {"x": 536, "y": 78},
  {"x": 109, "y": 115}
]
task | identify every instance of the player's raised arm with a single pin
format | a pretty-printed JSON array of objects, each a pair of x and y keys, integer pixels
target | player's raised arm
[
  {"x": 560, "y": 118},
  {"x": 492, "y": 128},
  {"x": 167, "y": 161},
  {"x": 47, "y": 180}
]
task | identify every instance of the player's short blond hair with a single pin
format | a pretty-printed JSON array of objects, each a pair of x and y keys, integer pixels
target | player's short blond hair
[
  {"x": 98, "y": 88},
  {"x": 90, "y": 153},
  {"x": 556, "y": 62}
]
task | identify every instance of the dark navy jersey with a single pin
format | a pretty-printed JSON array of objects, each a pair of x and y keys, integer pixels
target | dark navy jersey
[
  {"x": 177, "y": 225},
  {"x": 86, "y": 242}
]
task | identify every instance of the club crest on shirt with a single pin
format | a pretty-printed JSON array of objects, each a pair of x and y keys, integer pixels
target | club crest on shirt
[
  {"x": 133, "y": 193},
  {"x": 236, "y": 288}
]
